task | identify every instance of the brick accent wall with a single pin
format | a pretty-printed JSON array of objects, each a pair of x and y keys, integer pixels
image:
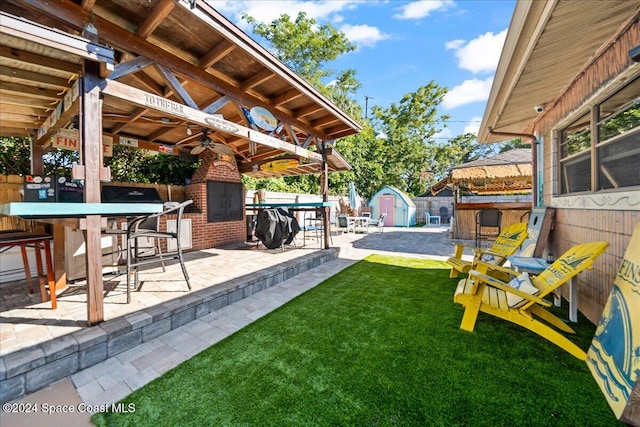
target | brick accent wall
[{"x": 205, "y": 234}]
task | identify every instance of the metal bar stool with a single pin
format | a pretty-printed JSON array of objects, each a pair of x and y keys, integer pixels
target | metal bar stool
[
  {"x": 38, "y": 241},
  {"x": 490, "y": 218}
]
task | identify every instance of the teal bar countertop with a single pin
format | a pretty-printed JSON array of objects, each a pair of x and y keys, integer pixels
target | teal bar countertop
[
  {"x": 289, "y": 205},
  {"x": 74, "y": 210}
]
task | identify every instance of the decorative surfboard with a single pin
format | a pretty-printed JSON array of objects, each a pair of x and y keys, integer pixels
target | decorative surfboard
[
  {"x": 279, "y": 165},
  {"x": 614, "y": 354}
]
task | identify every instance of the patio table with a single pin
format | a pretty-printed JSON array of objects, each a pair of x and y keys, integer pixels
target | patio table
[{"x": 78, "y": 216}]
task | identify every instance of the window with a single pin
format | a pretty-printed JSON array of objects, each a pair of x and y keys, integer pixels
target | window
[{"x": 615, "y": 143}]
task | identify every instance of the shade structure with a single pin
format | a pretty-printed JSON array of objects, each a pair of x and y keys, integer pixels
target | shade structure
[{"x": 508, "y": 172}]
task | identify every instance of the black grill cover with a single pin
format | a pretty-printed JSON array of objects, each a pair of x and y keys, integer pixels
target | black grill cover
[
  {"x": 275, "y": 226},
  {"x": 117, "y": 194}
]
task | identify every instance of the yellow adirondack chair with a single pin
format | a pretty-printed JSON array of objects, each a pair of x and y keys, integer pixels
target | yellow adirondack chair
[
  {"x": 507, "y": 243},
  {"x": 480, "y": 292}
]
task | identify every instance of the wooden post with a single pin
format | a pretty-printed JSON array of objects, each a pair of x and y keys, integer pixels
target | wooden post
[
  {"x": 324, "y": 185},
  {"x": 37, "y": 165},
  {"x": 91, "y": 155}
]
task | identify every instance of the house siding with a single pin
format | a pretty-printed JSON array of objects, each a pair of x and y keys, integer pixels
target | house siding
[{"x": 606, "y": 216}]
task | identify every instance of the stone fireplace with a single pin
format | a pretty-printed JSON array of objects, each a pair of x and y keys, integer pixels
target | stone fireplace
[{"x": 217, "y": 230}]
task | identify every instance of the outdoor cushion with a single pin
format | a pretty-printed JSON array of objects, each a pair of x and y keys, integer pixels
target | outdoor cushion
[
  {"x": 493, "y": 260},
  {"x": 523, "y": 284}
]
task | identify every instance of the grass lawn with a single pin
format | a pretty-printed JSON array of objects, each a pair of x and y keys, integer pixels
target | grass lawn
[{"x": 376, "y": 345}]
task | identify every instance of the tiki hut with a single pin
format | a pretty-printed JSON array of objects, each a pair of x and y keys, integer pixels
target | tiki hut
[{"x": 499, "y": 181}]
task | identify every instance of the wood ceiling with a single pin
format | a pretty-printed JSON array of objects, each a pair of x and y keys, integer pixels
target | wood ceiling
[{"x": 191, "y": 56}]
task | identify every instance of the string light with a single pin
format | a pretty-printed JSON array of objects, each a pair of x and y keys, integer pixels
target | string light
[{"x": 189, "y": 133}]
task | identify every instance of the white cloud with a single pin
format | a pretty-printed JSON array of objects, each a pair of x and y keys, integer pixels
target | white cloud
[
  {"x": 269, "y": 10},
  {"x": 445, "y": 133},
  {"x": 480, "y": 55},
  {"x": 473, "y": 127},
  {"x": 468, "y": 92},
  {"x": 421, "y": 9},
  {"x": 453, "y": 44},
  {"x": 363, "y": 35},
  {"x": 321, "y": 11}
]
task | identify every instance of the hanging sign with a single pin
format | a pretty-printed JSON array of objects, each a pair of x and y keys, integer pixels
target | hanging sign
[
  {"x": 67, "y": 139},
  {"x": 107, "y": 146},
  {"x": 614, "y": 354},
  {"x": 263, "y": 118},
  {"x": 129, "y": 142}
]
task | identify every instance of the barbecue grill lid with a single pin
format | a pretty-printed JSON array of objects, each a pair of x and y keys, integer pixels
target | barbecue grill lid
[{"x": 117, "y": 194}]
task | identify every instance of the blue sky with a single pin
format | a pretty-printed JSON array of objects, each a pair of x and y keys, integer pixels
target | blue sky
[{"x": 403, "y": 45}]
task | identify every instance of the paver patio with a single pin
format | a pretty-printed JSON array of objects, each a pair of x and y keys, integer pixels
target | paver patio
[{"x": 142, "y": 360}]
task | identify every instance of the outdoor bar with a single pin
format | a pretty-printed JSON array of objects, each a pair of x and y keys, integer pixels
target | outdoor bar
[{"x": 208, "y": 91}]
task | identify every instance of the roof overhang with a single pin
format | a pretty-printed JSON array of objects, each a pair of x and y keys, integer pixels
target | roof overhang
[
  {"x": 162, "y": 53},
  {"x": 547, "y": 45}
]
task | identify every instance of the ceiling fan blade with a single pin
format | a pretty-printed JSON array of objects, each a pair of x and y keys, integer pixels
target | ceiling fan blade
[
  {"x": 222, "y": 149},
  {"x": 197, "y": 150}
]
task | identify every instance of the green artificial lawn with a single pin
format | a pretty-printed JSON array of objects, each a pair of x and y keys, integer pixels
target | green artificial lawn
[{"x": 378, "y": 344}]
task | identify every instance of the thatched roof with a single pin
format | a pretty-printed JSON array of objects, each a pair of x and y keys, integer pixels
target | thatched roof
[
  {"x": 512, "y": 164},
  {"x": 508, "y": 172}
]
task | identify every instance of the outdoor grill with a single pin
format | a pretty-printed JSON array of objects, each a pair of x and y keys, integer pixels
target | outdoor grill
[{"x": 117, "y": 194}]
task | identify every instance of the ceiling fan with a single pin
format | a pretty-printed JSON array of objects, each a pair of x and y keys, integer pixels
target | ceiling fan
[{"x": 206, "y": 142}]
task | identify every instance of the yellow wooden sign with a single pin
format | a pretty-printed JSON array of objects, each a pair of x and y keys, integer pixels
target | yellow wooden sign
[
  {"x": 279, "y": 165},
  {"x": 614, "y": 354}
]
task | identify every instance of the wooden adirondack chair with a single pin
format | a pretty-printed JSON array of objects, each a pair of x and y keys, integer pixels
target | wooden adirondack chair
[
  {"x": 480, "y": 292},
  {"x": 507, "y": 243}
]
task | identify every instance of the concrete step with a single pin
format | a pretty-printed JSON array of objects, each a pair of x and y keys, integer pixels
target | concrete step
[{"x": 33, "y": 368}]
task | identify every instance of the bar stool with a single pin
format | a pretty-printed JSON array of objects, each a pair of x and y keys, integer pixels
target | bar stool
[
  {"x": 491, "y": 218},
  {"x": 38, "y": 241}
]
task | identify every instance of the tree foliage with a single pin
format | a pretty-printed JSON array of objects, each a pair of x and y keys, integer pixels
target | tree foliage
[
  {"x": 127, "y": 164},
  {"x": 407, "y": 129},
  {"x": 15, "y": 156},
  {"x": 307, "y": 48}
]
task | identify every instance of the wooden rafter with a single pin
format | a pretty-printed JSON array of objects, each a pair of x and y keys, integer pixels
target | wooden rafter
[
  {"x": 154, "y": 19},
  {"x": 256, "y": 79},
  {"x": 176, "y": 86},
  {"x": 137, "y": 113},
  {"x": 216, "y": 54}
]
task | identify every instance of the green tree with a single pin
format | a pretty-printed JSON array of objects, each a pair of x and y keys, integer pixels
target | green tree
[
  {"x": 307, "y": 47},
  {"x": 141, "y": 166},
  {"x": 303, "y": 45},
  {"x": 15, "y": 156},
  {"x": 363, "y": 152},
  {"x": 407, "y": 130}
]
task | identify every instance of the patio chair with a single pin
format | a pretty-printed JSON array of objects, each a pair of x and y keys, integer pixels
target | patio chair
[
  {"x": 505, "y": 245},
  {"x": 135, "y": 231},
  {"x": 519, "y": 300},
  {"x": 378, "y": 222},
  {"x": 345, "y": 224},
  {"x": 444, "y": 215},
  {"x": 435, "y": 219}
]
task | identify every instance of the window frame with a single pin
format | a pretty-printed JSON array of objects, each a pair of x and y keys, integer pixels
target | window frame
[{"x": 596, "y": 145}]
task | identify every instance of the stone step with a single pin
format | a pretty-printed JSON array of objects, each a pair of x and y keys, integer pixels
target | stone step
[{"x": 30, "y": 369}]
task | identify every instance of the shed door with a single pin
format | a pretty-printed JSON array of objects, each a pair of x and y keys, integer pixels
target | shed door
[{"x": 387, "y": 204}]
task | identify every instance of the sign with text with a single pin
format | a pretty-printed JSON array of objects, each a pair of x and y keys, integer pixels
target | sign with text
[
  {"x": 614, "y": 354},
  {"x": 67, "y": 139}
]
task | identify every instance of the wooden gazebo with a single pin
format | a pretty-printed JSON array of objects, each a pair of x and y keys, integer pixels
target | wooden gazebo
[{"x": 155, "y": 74}]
